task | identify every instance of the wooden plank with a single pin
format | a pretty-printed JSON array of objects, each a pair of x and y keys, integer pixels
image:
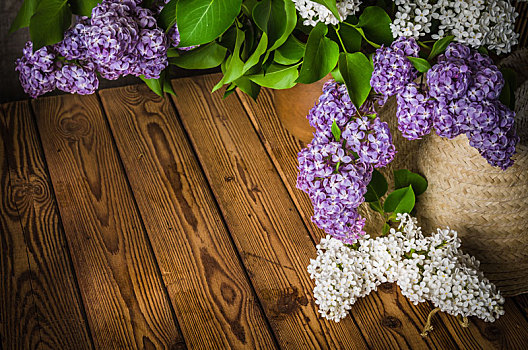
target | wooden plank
[
  {"x": 206, "y": 282},
  {"x": 268, "y": 233},
  {"x": 283, "y": 148},
  {"x": 40, "y": 301},
  {"x": 127, "y": 305}
]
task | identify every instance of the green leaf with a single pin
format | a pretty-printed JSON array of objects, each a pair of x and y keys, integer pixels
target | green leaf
[
  {"x": 255, "y": 56},
  {"x": 167, "y": 16},
  {"x": 173, "y": 52},
  {"x": 203, "y": 57},
  {"x": 202, "y": 21},
  {"x": 167, "y": 87},
  {"x": 277, "y": 77},
  {"x": 248, "y": 6},
  {"x": 331, "y": 5},
  {"x": 405, "y": 178},
  {"x": 230, "y": 89},
  {"x": 228, "y": 39},
  {"x": 24, "y": 14},
  {"x": 483, "y": 50},
  {"x": 50, "y": 21},
  {"x": 290, "y": 52},
  {"x": 385, "y": 229},
  {"x": 362, "y": 33},
  {"x": 248, "y": 87},
  {"x": 400, "y": 201},
  {"x": 276, "y": 18},
  {"x": 507, "y": 95},
  {"x": 155, "y": 85},
  {"x": 420, "y": 64},
  {"x": 376, "y": 188},
  {"x": 161, "y": 85},
  {"x": 350, "y": 36},
  {"x": 336, "y": 131},
  {"x": 356, "y": 70},
  {"x": 375, "y": 23},
  {"x": 234, "y": 66},
  {"x": 83, "y": 7},
  {"x": 320, "y": 56},
  {"x": 440, "y": 46},
  {"x": 336, "y": 74}
]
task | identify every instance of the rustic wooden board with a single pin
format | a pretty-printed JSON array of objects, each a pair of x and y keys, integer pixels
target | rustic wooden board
[
  {"x": 274, "y": 245},
  {"x": 39, "y": 299},
  {"x": 283, "y": 148},
  {"x": 208, "y": 287},
  {"x": 117, "y": 273}
]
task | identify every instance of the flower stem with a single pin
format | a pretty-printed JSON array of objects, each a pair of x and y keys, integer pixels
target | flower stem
[{"x": 339, "y": 37}]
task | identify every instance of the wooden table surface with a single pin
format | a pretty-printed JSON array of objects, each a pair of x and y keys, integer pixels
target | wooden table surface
[{"x": 133, "y": 221}]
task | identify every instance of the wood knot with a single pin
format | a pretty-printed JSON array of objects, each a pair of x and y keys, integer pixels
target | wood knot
[
  {"x": 228, "y": 293},
  {"x": 391, "y": 322},
  {"x": 289, "y": 301},
  {"x": 75, "y": 127},
  {"x": 34, "y": 189},
  {"x": 228, "y": 178}
]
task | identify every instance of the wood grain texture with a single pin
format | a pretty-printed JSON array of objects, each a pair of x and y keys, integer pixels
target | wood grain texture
[
  {"x": 274, "y": 245},
  {"x": 127, "y": 304},
  {"x": 206, "y": 282},
  {"x": 40, "y": 301},
  {"x": 283, "y": 148}
]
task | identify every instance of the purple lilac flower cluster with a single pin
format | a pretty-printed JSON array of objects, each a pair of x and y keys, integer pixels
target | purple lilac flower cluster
[
  {"x": 392, "y": 70},
  {"x": 461, "y": 97},
  {"x": 335, "y": 172},
  {"x": 466, "y": 86},
  {"x": 120, "y": 38}
]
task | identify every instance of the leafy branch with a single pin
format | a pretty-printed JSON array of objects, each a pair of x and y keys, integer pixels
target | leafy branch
[{"x": 407, "y": 186}]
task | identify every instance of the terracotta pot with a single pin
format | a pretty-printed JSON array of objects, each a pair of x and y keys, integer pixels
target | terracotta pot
[{"x": 292, "y": 106}]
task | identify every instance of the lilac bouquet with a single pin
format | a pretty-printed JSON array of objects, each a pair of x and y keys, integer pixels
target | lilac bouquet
[
  {"x": 461, "y": 96},
  {"x": 119, "y": 38},
  {"x": 299, "y": 41},
  {"x": 336, "y": 167}
]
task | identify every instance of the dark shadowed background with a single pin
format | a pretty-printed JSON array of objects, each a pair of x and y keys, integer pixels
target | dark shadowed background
[{"x": 11, "y": 48}]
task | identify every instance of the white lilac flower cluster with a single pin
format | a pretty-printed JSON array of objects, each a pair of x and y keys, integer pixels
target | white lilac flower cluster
[
  {"x": 425, "y": 268},
  {"x": 312, "y": 12},
  {"x": 475, "y": 23}
]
